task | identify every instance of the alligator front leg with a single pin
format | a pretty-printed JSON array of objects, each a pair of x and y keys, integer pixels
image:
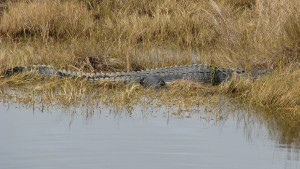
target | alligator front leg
[{"x": 152, "y": 82}]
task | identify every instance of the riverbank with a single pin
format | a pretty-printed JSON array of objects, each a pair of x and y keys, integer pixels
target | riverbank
[{"x": 132, "y": 35}]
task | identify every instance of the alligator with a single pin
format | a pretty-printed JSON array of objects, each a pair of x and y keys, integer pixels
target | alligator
[{"x": 155, "y": 78}]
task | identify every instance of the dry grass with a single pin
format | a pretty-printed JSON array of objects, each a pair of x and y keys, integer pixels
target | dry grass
[
  {"x": 134, "y": 35},
  {"x": 46, "y": 19},
  {"x": 278, "y": 91},
  {"x": 30, "y": 89}
]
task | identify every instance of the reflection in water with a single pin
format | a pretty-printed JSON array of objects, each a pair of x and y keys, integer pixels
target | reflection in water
[{"x": 98, "y": 136}]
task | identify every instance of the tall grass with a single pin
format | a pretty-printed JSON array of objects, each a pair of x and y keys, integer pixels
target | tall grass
[
  {"x": 46, "y": 18},
  {"x": 133, "y": 35},
  {"x": 278, "y": 91}
]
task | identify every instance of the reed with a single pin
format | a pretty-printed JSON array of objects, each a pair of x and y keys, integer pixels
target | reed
[{"x": 133, "y": 35}]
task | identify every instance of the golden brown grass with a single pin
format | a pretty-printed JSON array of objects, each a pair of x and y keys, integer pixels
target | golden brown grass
[
  {"x": 45, "y": 19},
  {"x": 278, "y": 91},
  {"x": 133, "y": 35}
]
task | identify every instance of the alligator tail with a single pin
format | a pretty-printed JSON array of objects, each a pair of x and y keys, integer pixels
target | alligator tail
[
  {"x": 46, "y": 70},
  {"x": 40, "y": 69}
]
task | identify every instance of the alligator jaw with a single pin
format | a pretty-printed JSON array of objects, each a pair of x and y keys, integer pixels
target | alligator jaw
[{"x": 258, "y": 72}]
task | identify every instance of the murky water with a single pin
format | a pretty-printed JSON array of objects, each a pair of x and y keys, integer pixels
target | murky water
[{"x": 152, "y": 138}]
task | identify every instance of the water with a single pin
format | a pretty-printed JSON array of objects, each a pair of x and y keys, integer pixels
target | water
[{"x": 139, "y": 139}]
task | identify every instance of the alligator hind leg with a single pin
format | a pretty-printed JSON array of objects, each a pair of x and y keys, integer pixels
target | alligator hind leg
[{"x": 152, "y": 82}]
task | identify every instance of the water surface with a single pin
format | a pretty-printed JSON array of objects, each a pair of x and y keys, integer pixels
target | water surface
[{"x": 143, "y": 138}]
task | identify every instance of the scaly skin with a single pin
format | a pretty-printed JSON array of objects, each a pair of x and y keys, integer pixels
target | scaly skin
[{"x": 149, "y": 78}]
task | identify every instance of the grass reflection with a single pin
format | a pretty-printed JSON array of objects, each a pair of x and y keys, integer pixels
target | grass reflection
[{"x": 181, "y": 99}]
